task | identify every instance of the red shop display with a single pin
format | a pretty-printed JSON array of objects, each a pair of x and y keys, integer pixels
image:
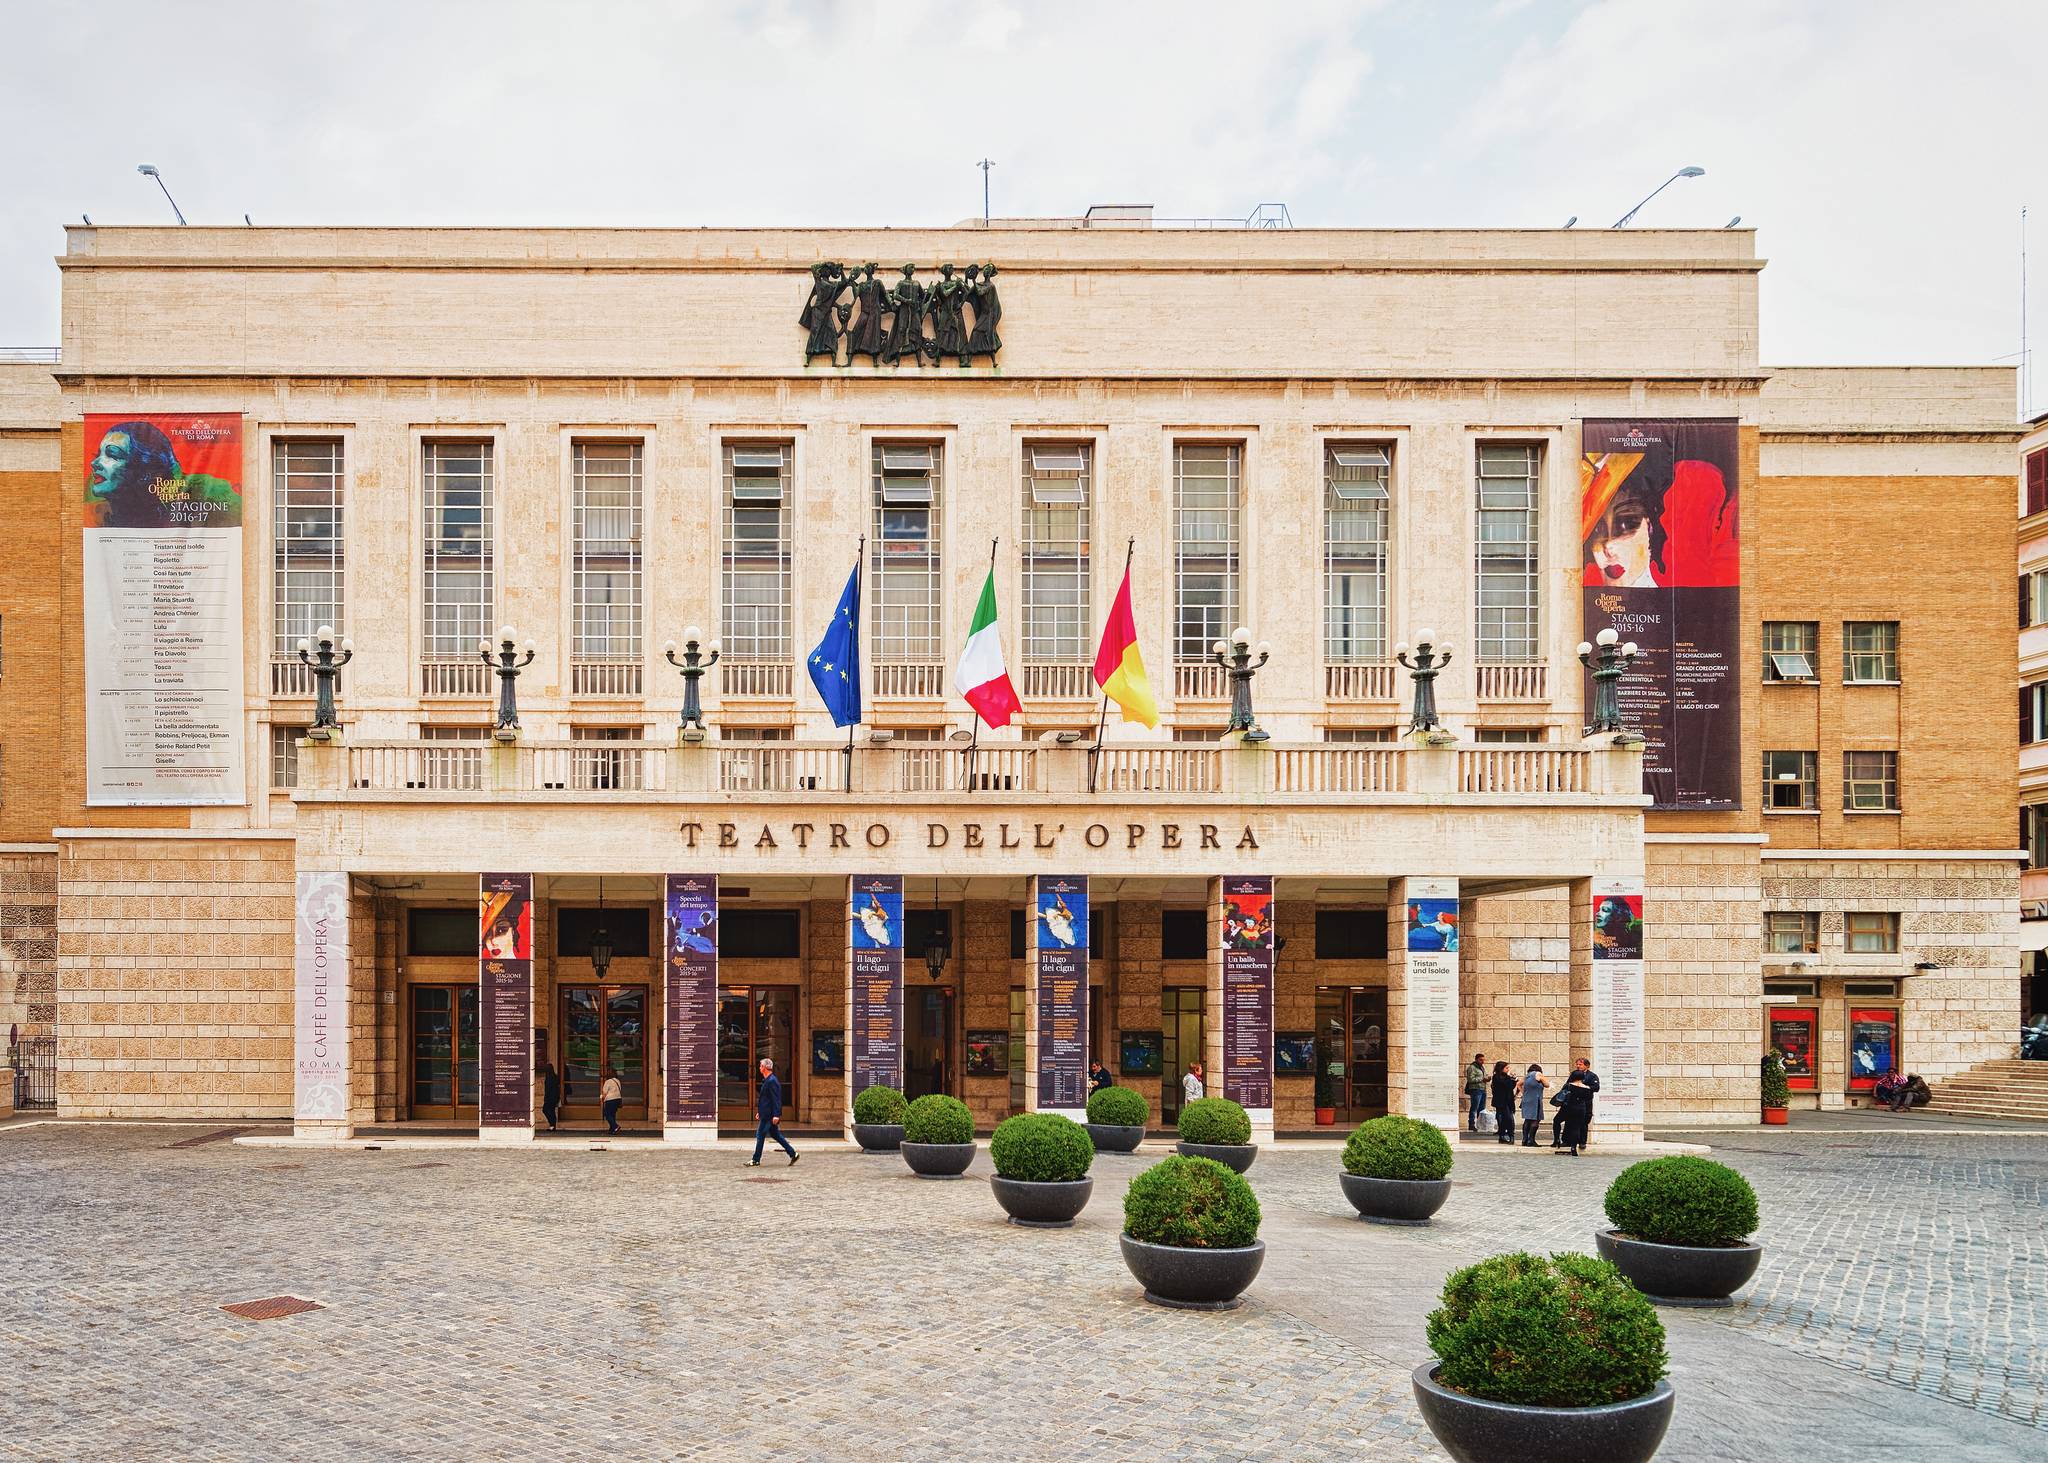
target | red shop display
[
  {"x": 1873, "y": 1045},
  {"x": 1792, "y": 1036}
]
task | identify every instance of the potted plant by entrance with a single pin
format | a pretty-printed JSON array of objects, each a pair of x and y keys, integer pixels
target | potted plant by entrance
[
  {"x": 1191, "y": 1234},
  {"x": 1041, "y": 1161},
  {"x": 1396, "y": 1170},
  {"x": 1681, "y": 1230},
  {"x": 1544, "y": 1359},
  {"x": 1326, "y": 1096},
  {"x": 1116, "y": 1119},
  {"x": 1216, "y": 1127},
  {"x": 938, "y": 1137},
  {"x": 878, "y": 1119},
  {"x": 1777, "y": 1092}
]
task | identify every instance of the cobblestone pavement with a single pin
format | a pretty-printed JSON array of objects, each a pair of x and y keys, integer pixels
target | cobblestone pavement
[{"x": 625, "y": 1305}]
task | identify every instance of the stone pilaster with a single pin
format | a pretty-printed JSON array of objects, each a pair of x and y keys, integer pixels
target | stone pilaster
[{"x": 1424, "y": 1065}]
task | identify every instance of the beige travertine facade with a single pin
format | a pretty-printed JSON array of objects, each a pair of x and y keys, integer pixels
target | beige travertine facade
[{"x": 172, "y": 927}]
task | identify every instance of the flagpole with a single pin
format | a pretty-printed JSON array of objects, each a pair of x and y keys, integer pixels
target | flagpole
[
  {"x": 974, "y": 736},
  {"x": 860, "y": 559},
  {"x": 1102, "y": 717}
]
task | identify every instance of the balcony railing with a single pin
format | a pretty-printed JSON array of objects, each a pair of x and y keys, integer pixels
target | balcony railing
[
  {"x": 1358, "y": 682},
  {"x": 1148, "y": 771},
  {"x": 465, "y": 678},
  {"x": 1199, "y": 680},
  {"x": 1514, "y": 682},
  {"x": 616, "y": 678},
  {"x": 756, "y": 680},
  {"x": 907, "y": 680},
  {"x": 1058, "y": 682},
  {"x": 293, "y": 677}
]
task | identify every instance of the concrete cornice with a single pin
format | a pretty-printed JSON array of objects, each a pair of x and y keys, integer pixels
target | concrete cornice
[
  {"x": 1710, "y": 380},
  {"x": 1008, "y": 262},
  {"x": 1900, "y": 855},
  {"x": 197, "y": 835}
]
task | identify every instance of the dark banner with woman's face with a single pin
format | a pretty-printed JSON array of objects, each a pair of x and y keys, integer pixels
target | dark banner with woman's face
[{"x": 1662, "y": 564}]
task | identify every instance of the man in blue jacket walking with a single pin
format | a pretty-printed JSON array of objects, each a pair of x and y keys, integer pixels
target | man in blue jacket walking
[{"x": 769, "y": 1108}]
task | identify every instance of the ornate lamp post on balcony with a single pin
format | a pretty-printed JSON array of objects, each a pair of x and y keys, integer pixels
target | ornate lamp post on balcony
[
  {"x": 318, "y": 653},
  {"x": 1606, "y": 662},
  {"x": 505, "y": 660},
  {"x": 1236, "y": 658},
  {"x": 693, "y": 665},
  {"x": 1428, "y": 658}
]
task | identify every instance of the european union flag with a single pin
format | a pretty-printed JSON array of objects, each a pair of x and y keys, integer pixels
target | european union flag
[{"x": 835, "y": 662}]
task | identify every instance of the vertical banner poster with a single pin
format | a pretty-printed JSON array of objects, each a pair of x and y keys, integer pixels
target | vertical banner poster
[
  {"x": 690, "y": 910},
  {"x": 1061, "y": 947},
  {"x": 320, "y": 999},
  {"x": 1662, "y": 565},
  {"x": 875, "y": 1026},
  {"x": 1248, "y": 990},
  {"x": 1873, "y": 1045},
  {"x": 1430, "y": 947},
  {"x": 1617, "y": 1054},
  {"x": 162, "y": 587},
  {"x": 505, "y": 960},
  {"x": 1792, "y": 1038}
]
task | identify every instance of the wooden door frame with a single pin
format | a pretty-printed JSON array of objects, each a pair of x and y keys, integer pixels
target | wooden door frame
[
  {"x": 593, "y": 1112},
  {"x": 799, "y": 1048},
  {"x": 457, "y": 1111}
]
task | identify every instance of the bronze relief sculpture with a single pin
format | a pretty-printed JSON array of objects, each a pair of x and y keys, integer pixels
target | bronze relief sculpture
[{"x": 888, "y": 324}]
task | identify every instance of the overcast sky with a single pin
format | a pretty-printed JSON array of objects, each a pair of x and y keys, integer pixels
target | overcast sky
[{"x": 1882, "y": 150}]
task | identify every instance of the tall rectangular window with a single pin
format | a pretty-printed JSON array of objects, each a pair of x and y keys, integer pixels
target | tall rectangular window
[
  {"x": 284, "y": 757},
  {"x": 2034, "y": 713},
  {"x": 1791, "y": 781},
  {"x": 1868, "y": 933},
  {"x": 1870, "y": 651},
  {"x": 755, "y": 620},
  {"x": 2034, "y": 598},
  {"x": 1058, "y": 488},
  {"x": 1791, "y": 932},
  {"x": 1791, "y": 650},
  {"x": 306, "y": 523},
  {"x": 605, "y": 491},
  {"x": 2034, "y": 834},
  {"x": 1870, "y": 782},
  {"x": 457, "y": 546},
  {"x": 904, "y": 570},
  {"x": 1507, "y": 548},
  {"x": 1355, "y": 503},
  {"x": 1207, "y": 508},
  {"x": 2037, "y": 482}
]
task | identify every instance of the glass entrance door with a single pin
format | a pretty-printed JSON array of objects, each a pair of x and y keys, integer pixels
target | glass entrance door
[
  {"x": 443, "y": 1049},
  {"x": 1351, "y": 1047},
  {"x": 603, "y": 1028},
  {"x": 754, "y": 1022},
  {"x": 1180, "y": 1020},
  {"x": 928, "y": 1041}
]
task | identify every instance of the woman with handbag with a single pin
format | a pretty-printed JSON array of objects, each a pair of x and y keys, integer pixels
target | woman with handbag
[
  {"x": 1531, "y": 1090},
  {"x": 1504, "y": 1103}
]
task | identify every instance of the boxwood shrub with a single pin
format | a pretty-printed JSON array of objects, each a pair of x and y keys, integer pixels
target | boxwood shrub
[
  {"x": 1214, "y": 1120},
  {"x": 1566, "y": 1331},
  {"x": 1122, "y": 1107},
  {"x": 1193, "y": 1203},
  {"x": 1777, "y": 1090},
  {"x": 1682, "y": 1200},
  {"x": 937, "y": 1118},
  {"x": 1041, "y": 1148},
  {"x": 880, "y": 1105},
  {"x": 1395, "y": 1147}
]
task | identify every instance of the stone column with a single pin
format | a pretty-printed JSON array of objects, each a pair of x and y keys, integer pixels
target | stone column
[
  {"x": 1607, "y": 1001},
  {"x": 320, "y": 1008},
  {"x": 1056, "y": 995},
  {"x": 1237, "y": 1026},
  {"x": 1423, "y": 1063}
]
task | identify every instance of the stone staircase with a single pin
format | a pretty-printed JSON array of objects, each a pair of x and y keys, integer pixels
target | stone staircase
[{"x": 2003, "y": 1088}]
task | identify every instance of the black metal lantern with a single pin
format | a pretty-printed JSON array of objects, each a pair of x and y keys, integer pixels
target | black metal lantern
[
  {"x": 1607, "y": 657},
  {"x": 318, "y": 653},
  {"x": 601, "y": 948},
  {"x": 936, "y": 945},
  {"x": 1429, "y": 657},
  {"x": 506, "y": 662},
  {"x": 1241, "y": 661}
]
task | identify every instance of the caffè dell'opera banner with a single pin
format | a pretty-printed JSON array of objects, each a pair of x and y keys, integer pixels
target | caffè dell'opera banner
[{"x": 949, "y": 658}]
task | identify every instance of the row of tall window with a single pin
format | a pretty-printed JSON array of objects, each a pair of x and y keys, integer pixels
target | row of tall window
[
  {"x": 906, "y": 579},
  {"x": 1870, "y": 782},
  {"x": 1870, "y": 651},
  {"x": 1797, "y": 932}
]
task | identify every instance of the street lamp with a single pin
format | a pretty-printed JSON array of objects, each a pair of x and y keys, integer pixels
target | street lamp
[
  {"x": 148, "y": 170},
  {"x": 1607, "y": 662},
  {"x": 936, "y": 946},
  {"x": 601, "y": 948},
  {"x": 1428, "y": 657},
  {"x": 1622, "y": 222},
  {"x": 318, "y": 653},
  {"x": 505, "y": 660},
  {"x": 693, "y": 665},
  {"x": 1236, "y": 656}
]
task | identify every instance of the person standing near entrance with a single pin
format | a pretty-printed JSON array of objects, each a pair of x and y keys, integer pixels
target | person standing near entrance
[
  {"x": 1504, "y": 1102},
  {"x": 613, "y": 1095},
  {"x": 550, "y": 1093},
  {"x": 768, "y": 1109},
  {"x": 1192, "y": 1085},
  {"x": 1099, "y": 1079},
  {"x": 1531, "y": 1089},
  {"x": 1475, "y": 1091},
  {"x": 1577, "y": 1106}
]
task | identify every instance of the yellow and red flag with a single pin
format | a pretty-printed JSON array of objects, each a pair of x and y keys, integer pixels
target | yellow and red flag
[{"x": 1119, "y": 668}]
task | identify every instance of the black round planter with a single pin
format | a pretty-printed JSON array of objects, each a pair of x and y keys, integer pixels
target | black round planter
[
  {"x": 1042, "y": 1205},
  {"x": 1234, "y": 1156},
  {"x": 1115, "y": 1137},
  {"x": 1191, "y": 1279},
  {"x": 878, "y": 1137},
  {"x": 1473, "y": 1430},
  {"x": 1395, "y": 1201},
  {"x": 1681, "y": 1274},
  {"x": 937, "y": 1160}
]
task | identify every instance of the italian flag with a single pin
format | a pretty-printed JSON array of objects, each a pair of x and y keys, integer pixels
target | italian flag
[{"x": 981, "y": 677}]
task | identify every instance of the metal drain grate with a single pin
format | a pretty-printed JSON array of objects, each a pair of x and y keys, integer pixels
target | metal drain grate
[
  {"x": 426, "y": 1165},
  {"x": 764, "y": 1181},
  {"x": 272, "y": 1308}
]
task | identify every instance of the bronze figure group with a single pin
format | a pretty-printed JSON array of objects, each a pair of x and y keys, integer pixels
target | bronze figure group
[{"x": 888, "y": 323}]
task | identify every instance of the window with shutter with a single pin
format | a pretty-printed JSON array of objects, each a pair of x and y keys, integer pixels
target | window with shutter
[{"x": 2037, "y": 481}]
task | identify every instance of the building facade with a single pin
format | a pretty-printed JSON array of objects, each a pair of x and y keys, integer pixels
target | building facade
[
  {"x": 2033, "y": 685},
  {"x": 1340, "y": 441}
]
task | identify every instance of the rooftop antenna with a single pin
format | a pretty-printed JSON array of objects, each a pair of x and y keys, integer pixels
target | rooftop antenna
[
  {"x": 2026, "y": 354},
  {"x": 1622, "y": 222},
  {"x": 148, "y": 170},
  {"x": 985, "y": 164}
]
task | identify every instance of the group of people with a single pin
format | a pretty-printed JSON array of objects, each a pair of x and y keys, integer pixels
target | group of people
[
  {"x": 1573, "y": 1101},
  {"x": 1898, "y": 1091},
  {"x": 611, "y": 1096}
]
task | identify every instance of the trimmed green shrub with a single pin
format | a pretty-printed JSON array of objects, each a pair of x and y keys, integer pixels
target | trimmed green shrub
[
  {"x": 1682, "y": 1200},
  {"x": 937, "y": 1118},
  {"x": 1394, "y": 1147},
  {"x": 1194, "y": 1203},
  {"x": 1119, "y": 1107},
  {"x": 878, "y": 1105},
  {"x": 1777, "y": 1092},
  {"x": 1041, "y": 1148},
  {"x": 1214, "y": 1120},
  {"x": 1563, "y": 1332}
]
